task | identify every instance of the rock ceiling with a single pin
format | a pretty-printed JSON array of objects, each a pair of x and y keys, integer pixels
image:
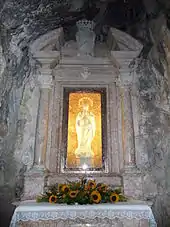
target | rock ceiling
[
  {"x": 22, "y": 21},
  {"x": 35, "y": 16}
]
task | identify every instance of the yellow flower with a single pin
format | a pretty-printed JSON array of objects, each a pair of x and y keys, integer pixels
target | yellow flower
[
  {"x": 60, "y": 187},
  {"x": 114, "y": 197},
  {"x": 53, "y": 199},
  {"x": 102, "y": 188},
  {"x": 78, "y": 184},
  {"x": 95, "y": 197},
  {"x": 85, "y": 187},
  {"x": 73, "y": 194},
  {"x": 65, "y": 188},
  {"x": 91, "y": 184}
]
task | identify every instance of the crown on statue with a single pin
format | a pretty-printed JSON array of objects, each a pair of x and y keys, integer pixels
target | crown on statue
[{"x": 85, "y": 25}]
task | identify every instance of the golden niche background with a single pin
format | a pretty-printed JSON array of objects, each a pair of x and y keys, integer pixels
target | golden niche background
[{"x": 73, "y": 110}]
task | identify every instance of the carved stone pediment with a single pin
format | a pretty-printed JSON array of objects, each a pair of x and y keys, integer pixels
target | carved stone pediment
[
  {"x": 123, "y": 41},
  {"x": 48, "y": 42}
]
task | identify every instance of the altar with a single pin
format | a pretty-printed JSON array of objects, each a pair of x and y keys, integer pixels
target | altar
[{"x": 131, "y": 214}]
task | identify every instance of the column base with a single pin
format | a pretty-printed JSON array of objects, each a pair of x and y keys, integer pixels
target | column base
[
  {"x": 132, "y": 168},
  {"x": 34, "y": 183},
  {"x": 133, "y": 182},
  {"x": 38, "y": 169}
]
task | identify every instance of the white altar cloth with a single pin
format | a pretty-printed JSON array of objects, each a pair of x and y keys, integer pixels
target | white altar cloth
[{"x": 32, "y": 211}]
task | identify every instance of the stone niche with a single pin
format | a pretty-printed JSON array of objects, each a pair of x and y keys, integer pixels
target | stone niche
[{"x": 67, "y": 84}]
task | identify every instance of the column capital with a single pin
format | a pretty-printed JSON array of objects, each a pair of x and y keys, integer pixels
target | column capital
[
  {"x": 126, "y": 79},
  {"x": 45, "y": 79},
  {"x": 47, "y": 59}
]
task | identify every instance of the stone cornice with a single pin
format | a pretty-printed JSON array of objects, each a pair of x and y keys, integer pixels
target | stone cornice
[
  {"x": 48, "y": 59},
  {"x": 124, "y": 58},
  {"x": 76, "y": 60},
  {"x": 86, "y": 73},
  {"x": 121, "y": 60}
]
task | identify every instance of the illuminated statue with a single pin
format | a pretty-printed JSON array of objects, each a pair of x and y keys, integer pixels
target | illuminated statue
[{"x": 85, "y": 128}]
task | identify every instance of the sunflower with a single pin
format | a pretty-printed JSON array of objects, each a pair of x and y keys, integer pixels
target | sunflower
[
  {"x": 114, "y": 197},
  {"x": 95, "y": 197},
  {"x": 49, "y": 193},
  {"x": 53, "y": 199},
  {"x": 102, "y": 188},
  {"x": 91, "y": 184},
  {"x": 65, "y": 188},
  {"x": 60, "y": 187},
  {"x": 77, "y": 184},
  {"x": 73, "y": 194}
]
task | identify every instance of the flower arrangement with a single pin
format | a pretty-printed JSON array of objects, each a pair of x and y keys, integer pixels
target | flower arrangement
[{"x": 82, "y": 192}]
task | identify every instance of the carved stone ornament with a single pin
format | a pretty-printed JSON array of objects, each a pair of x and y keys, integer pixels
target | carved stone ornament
[
  {"x": 85, "y": 74},
  {"x": 85, "y": 37}
]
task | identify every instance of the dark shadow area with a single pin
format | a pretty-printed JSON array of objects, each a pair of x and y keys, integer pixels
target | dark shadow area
[{"x": 6, "y": 212}]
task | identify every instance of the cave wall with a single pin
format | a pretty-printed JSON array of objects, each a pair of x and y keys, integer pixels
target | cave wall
[
  {"x": 154, "y": 139},
  {"x": 19, "y": 26}
]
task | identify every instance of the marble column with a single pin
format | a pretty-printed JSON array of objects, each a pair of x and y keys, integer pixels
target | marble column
[
  {"x": 43, "y": 120},
  {"x": 128, "y": 131},
  {"x": 168, "y": 68},
  {"x": 132, "y": 177}
]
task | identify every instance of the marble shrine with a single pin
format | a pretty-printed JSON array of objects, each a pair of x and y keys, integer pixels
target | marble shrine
[
  {"x": 83, "y": 113},
  {"x": 66, "y": 68}
]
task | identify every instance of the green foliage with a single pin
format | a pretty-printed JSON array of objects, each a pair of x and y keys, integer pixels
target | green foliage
[{"x": 81, "y": 192}]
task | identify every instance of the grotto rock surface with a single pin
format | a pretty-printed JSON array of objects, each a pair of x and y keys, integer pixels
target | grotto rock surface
[
  {"x": 21, "y": 22},
  {"x": 154, "y": 140}
]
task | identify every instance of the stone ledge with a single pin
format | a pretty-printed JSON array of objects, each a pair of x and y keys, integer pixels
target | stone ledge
[{"x": 115, "y": 181}]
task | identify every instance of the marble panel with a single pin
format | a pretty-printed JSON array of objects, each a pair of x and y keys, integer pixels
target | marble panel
[{"x": 33, "y": 184}]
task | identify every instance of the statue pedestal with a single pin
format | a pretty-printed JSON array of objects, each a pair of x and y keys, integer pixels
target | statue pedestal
[
  {"x": 34, "y": 183},
  {"x": 86, "y": 161},
  {"x": 133, "y": 179}
]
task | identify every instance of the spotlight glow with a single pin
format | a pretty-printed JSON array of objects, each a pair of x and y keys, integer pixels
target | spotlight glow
[{"x": 84, "y": 166}]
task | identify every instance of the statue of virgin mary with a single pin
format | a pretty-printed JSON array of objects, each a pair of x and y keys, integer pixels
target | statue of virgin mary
[{"x": 85, "y": 129}]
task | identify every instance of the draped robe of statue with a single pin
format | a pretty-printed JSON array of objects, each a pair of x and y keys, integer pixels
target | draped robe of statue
[{"x": 85, "y": 129}]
